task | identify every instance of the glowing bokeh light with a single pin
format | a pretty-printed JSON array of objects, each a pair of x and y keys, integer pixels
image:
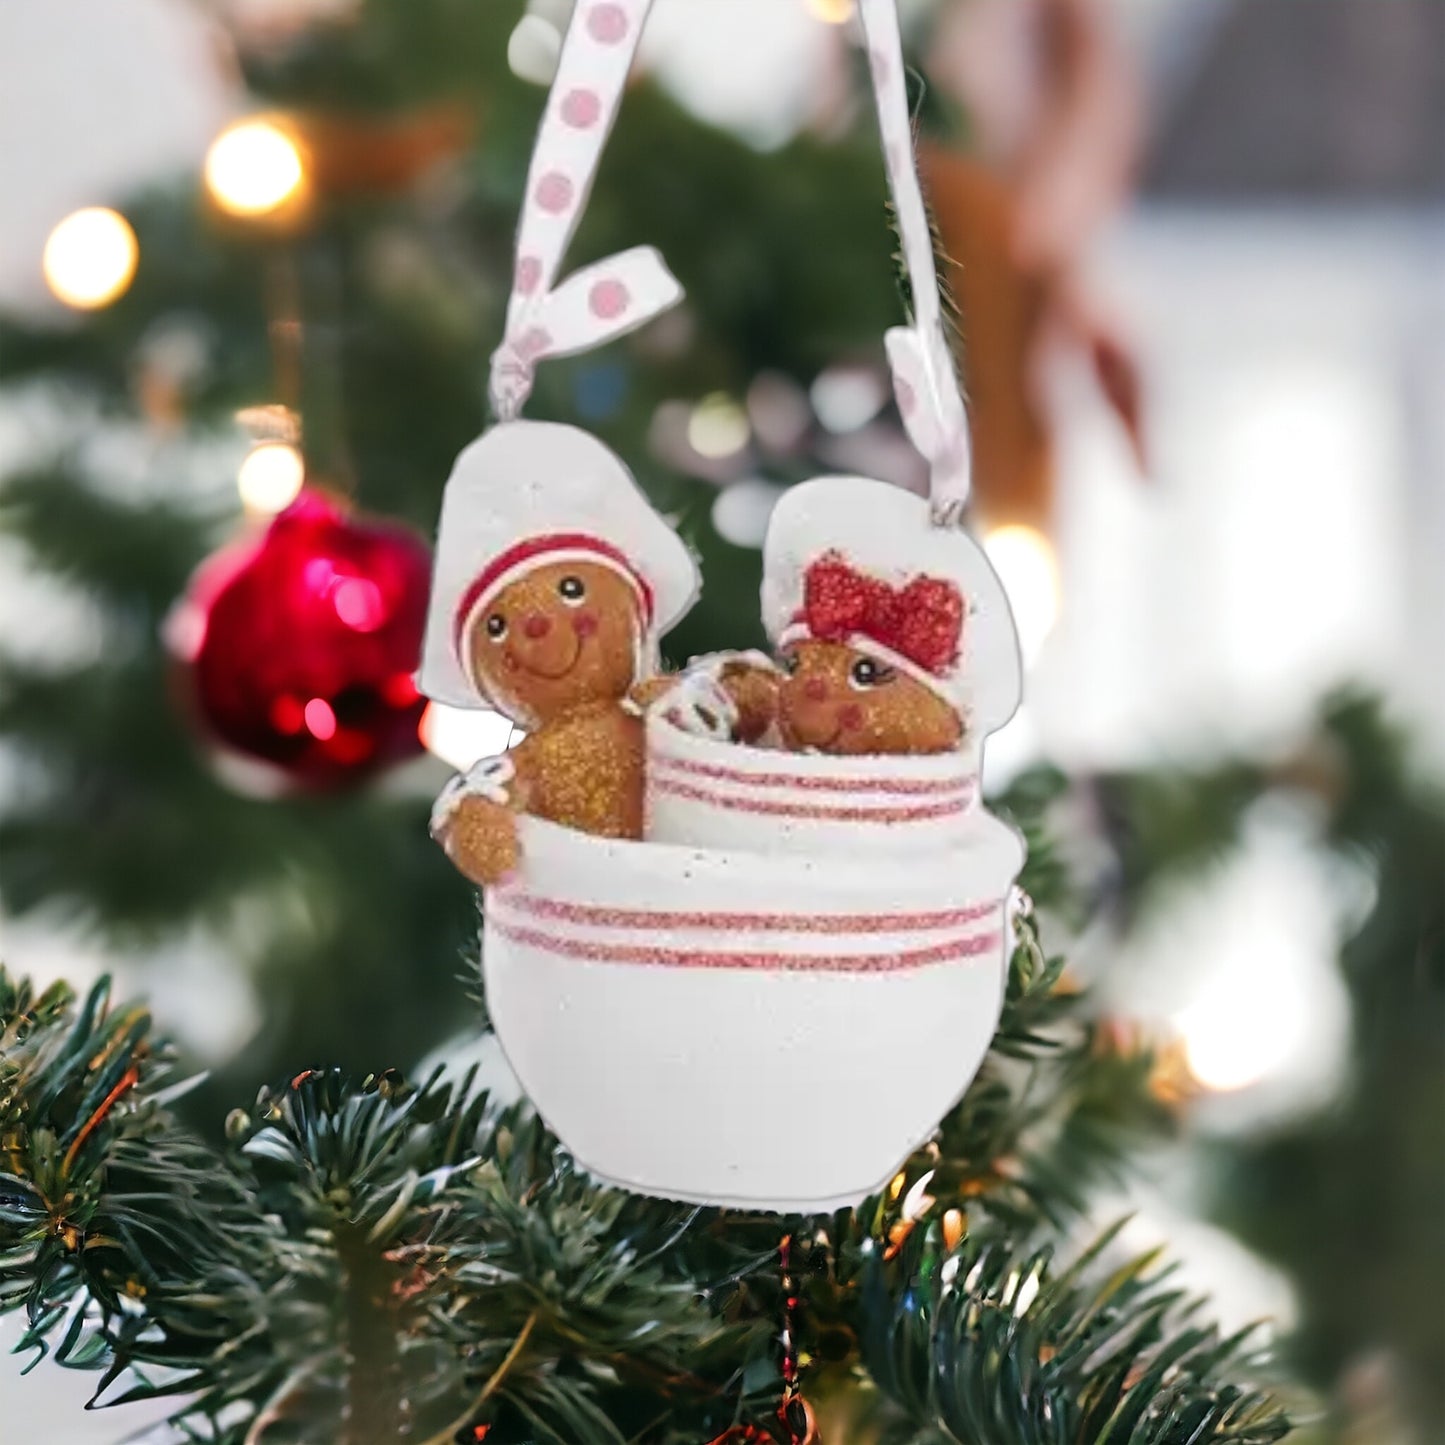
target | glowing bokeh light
[
  {"x": 718, "y": 427},
  {"x": 253, "y": 167},
  {"x": 359, "y": 604},
  {"x": 270, "y": 478},
  {"x": 742, "y": 510},
  {"x": 1024, "y": 561},
  {"x": 90, "y": 258},
  {"x": 835, "y": 12},
  {"x": 847, "y": 397},
  {"x": 1243, "y": 1028},
  {"x": 320, "y": 719},
  {"x": 533, "y": 49}
]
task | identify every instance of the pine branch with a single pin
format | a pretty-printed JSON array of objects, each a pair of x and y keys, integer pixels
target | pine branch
[
  {"x": 366, "y": 1260},
  {"x": 385, "y": 1262},
  {"x": 133, "y": 558},
  {"x": 991, "y": 1343}
]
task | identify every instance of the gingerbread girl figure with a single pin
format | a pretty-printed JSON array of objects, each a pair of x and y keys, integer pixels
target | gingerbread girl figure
[
  {"x": 895, "y": 635},
  {"x": 554, "y": 581},
  {"x": 892, "y": 635}
]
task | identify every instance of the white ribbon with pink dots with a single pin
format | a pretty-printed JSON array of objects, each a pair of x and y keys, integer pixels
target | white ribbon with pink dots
[
  {"x": 610, "y": 297},
  {"x": 925, "y": 381}
]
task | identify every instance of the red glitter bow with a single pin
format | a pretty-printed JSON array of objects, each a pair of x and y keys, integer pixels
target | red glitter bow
[{"x": 922, "y": 620}]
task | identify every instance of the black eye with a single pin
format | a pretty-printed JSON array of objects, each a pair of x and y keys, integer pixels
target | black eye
[
  {"x": 496, "y": 627},
  {"x": 867, "y": 673},
  {"x": 572, "y": 589}
]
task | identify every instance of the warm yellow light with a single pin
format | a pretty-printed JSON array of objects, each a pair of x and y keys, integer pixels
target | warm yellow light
[
  {"x": 271, "y": 476},
  {"x": 90, "y": 258},
  {"x": 253, "y": 167},
  {"x": 835, "y": 12},
  {"x": 1024, "y": 561},
  {"x": 1241, "y": 1030}
]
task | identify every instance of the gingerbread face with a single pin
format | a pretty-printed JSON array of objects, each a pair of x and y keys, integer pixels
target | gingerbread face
[
  {"x": 838, "y": 700},
  {"x": 564, "y": 634}
]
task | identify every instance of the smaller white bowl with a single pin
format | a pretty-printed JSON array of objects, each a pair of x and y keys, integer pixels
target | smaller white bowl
[{"x": 711, "y": 794}]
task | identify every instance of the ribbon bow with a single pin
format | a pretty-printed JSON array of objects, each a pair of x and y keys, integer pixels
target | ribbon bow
[
  {"x": 592, "y": 306},
  {"x": 921, "y": 621}
]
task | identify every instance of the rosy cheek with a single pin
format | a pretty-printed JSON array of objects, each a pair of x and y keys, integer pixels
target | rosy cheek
[
  {"x": 851, "y": 716},
  {"x": 584, "y": 624}
]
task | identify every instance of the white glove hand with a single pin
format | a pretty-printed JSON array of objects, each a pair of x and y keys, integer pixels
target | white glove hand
[
  {"x": 699, "y": 704},
  {"x": 486, "y": 779}
]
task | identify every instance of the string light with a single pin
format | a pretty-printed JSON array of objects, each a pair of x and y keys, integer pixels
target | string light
[
  {"x": 918, "y": 1201},
  {"x": 834, "y": 12},
  {"x": 270, "y": 478},
  {"x": 1024, "y": 561},
  {"x": 90, "y": 258},
  {"x": 253, "y": 167}
]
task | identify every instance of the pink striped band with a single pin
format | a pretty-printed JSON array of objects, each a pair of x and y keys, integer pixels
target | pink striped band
[
  {"x": 823, "y": 812},
  {"x": 559, "y": 911},
  {"x": 962, "y": 782},
  {"x": 970, "y": 946}
]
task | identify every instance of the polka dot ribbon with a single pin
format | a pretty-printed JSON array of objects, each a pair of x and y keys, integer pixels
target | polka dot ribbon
[
  {"x": 924, "y": 379},
  {"x": 611, "y": 297}
]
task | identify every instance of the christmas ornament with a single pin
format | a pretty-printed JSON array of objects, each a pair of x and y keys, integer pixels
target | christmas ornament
[
  {"x": 299, "y": 643},
  {"x": 684, "y": 928}
]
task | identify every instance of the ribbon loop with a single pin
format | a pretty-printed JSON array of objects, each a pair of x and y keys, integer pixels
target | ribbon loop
[
  {"x": 610, "y": 297},
  {"x": 925, "y": 381}
]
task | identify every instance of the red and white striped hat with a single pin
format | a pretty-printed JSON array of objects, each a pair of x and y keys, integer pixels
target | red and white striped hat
[
  {"x": 860, "y": 562},
  {"x": 527, "y": 494}
]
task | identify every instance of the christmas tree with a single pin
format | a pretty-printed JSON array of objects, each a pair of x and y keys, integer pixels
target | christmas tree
[{"x": 369, "y": 1257}]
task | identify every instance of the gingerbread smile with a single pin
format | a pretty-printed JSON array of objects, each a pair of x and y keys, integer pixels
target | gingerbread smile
[{"x": 544, "y": 667}]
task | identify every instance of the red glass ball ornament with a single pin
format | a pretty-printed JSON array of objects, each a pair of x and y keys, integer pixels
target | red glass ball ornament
[{"x": 300, "y": 644}]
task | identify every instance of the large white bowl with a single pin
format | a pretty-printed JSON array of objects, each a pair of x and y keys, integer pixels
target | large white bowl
[
  {"x": 723, "y": 795},
  {"x": 732, "y": 1028}
]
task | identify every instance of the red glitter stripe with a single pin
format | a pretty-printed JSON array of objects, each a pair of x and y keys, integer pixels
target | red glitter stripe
[
  {"x": 919, "y": 812},
  {"x": 560, "y": 911},
  {"x": 967, "y": 947},
  {"x": 964, "y": 782}
]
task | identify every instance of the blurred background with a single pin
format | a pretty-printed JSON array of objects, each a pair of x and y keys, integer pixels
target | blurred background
[{"x": 253, "y": 258}]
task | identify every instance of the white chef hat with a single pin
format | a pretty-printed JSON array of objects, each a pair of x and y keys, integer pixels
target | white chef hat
[
  {"x": 525, "y": 494},
  {"x": 861, "y": 562}
]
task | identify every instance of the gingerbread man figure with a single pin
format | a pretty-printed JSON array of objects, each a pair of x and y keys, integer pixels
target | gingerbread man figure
[{"x": 554, "y": 581}]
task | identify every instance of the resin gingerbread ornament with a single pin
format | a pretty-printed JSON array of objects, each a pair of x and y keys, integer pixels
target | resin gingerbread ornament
[{"x": 818, "y": 903}]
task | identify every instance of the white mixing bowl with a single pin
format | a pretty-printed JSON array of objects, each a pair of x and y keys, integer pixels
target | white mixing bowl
[{"x": 769, "y": 1032}]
